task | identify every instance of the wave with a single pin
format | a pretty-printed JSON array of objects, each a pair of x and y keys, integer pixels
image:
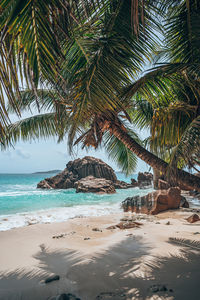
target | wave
[
  {"x": 26, "y": 193},
  {"x": 59, "y": 214}
]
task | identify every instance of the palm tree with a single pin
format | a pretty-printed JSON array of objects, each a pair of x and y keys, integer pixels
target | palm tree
[
  {"x": 33, "y": 37},
  {"x": 170, "y": 119},
  {"x": 96, "y": 68}
]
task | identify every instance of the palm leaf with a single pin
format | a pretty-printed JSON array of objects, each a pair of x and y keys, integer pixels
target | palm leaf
[
  {"x": 35, "y": 127},
  {"x": 189, "y": 144},
  {"x": 117, "y": 151}
]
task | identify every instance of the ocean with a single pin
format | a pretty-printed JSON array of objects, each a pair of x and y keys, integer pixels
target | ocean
[{"x": 21, "y": 203}]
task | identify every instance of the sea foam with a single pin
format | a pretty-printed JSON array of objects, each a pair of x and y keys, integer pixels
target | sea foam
[{"x": 58, "y": 214}]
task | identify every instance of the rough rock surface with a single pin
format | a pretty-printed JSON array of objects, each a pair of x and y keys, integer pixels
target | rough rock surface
[
  {"x": 144, "y": 179},
  {"x": 184, "y": 203},
  {"x": 118, "y": 184},
  {"x": 193, "y": 218},
  {"x": 134, "y": 182},
  {"x": 154, "y": 202},
  {"x": 195, "y": 194},
  {"x": 81, "y": 168},
  {"x": 163, "y": 185},
  {"x": 91, "y": 184}
]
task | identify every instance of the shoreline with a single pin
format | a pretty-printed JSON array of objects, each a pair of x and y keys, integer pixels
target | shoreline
[
  {"x": 91, "y": 262},
  {"x": 90, "y": 205},
  {"x": 63, "y": 213}
]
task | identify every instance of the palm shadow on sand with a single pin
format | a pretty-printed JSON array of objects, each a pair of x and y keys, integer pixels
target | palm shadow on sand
[{"x": 114, "y": 274}]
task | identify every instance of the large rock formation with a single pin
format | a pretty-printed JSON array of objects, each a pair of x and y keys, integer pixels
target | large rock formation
[
  {"x": 145, "y": 179},
  {"x": 184, "y": 203},
  {"x": 163, "y": 185},
  {"x": 154, "y": 202},
  {"x": 79, "y": 169},
  {"x": 91, "y": 184}
]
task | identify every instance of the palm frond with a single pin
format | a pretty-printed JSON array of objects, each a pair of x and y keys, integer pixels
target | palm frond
[
  {"x": 46, "y": 99},
  {"x": 32, "y": 128},
  {"x": 117, "y": 151},
  {"x": 141, "y": 112},
  {"x": 189, "y": 144}
]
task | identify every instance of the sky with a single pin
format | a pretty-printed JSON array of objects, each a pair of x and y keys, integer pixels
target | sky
[{"x": 45, "y": 155}]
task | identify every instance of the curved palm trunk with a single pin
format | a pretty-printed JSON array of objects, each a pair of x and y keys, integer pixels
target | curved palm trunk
[
  {"x": 156, "y": 177},
  {"x": 183, "y": 177}
]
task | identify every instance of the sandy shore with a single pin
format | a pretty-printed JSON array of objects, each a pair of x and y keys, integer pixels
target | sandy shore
[{"x": 136, "y": 263}]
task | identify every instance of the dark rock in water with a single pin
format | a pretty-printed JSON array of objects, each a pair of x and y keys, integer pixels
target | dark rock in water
[
  {"x": 184, "y": 203},
  {"x": 134, "y": 182},
  {"x": 64, "y": 297},
  {"x": 82, "y": 168},
  {"x": 52, "y": 278},
  {"x": 91, "y": 184},
  {"x": 163, "y": 185},
  {"x": 145, "y": 185},
  {"x": 145, "y": 179},
  {"x": 154, "y": 202},
  {"x": 194, "y": 194},
  {"x": 44, "y": 185},
  {"x": 122, "y": 185}
]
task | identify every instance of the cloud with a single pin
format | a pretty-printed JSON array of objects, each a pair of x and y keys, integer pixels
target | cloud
[{"x": 21, "y": 153}]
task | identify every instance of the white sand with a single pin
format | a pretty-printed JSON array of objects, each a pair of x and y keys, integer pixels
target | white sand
[{"x": 124, "y": 262}]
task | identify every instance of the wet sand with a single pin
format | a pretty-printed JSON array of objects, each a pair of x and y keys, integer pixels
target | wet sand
[{"x": 96, "y": 263}]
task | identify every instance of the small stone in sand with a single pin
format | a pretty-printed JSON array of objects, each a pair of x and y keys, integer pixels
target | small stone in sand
[
  {"x": 193, "y": 218},
  {"x": 158, "y": 288},
  {"x": 58, "y": 236},
  {"x": 86, "y": 239},
  {"x": 127, "y": 225},
  {"x": 126, "y": 219},
  {"x": 52, "y": 278},
  {"x": 168, "y": 223},
  {"x": 96, "y": 229},
  {"x": 157, "y": 222},
  {"x": 72, "y": 232},
  {"x": 196, "y": 232},
  {"x": 111, "y": 227}
]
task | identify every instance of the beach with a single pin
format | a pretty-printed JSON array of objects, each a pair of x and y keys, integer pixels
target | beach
[
  {"x": 152, "y": 261},
  {"x": 99, "y": 150}
]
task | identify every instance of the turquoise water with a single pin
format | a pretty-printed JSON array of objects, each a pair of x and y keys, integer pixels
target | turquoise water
[
  {"x": 21, "y": 203},
  {"x": 18, "y": 193}
]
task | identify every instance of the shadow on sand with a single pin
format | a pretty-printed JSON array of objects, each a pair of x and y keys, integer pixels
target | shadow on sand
[{"x": 122, "y": 272}]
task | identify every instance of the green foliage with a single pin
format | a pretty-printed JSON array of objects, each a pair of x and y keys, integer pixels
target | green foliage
[
  {"x": 88, "y": 72},
  {"x": 124, "y": 157},
  {"x": 35, "y": 127}
]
